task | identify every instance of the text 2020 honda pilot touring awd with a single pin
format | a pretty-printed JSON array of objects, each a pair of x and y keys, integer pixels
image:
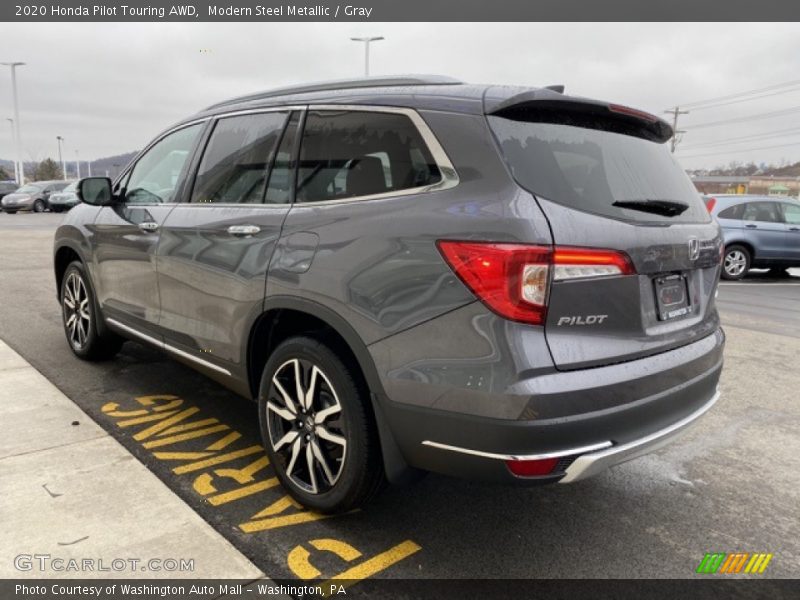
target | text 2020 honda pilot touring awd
[{"x": 502, "y": 283}]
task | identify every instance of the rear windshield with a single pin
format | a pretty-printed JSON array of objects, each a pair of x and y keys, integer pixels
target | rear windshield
[{"x": 597, "y": 171}]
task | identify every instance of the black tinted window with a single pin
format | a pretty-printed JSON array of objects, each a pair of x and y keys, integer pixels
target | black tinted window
[
  {"x": 732, "y": 212},
  {"x": 768, "y": 212},
  {"x": 281, "y": 177},
  {"x": 599, "y": 171},
  {"x": 236, "y": 159},
  {"x": 352, "y": 153}
]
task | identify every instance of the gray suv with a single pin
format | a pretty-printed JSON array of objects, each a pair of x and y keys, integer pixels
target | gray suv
[
  {"x": 759, "y": 231},
  {"x": 413, "y": 274}
]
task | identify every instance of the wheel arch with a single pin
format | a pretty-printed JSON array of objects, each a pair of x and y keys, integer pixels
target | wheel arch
[
  {"x": 63, "y": 256},
  {"x": 285, "y": 316},
  {"x": 745, "y": 244}
]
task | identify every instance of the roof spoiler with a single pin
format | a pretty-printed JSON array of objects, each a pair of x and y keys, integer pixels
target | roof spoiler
[{"x": 551, "y": 106}]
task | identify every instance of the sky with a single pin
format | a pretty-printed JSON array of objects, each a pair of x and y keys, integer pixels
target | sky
[{"x": 109, "y": 88}]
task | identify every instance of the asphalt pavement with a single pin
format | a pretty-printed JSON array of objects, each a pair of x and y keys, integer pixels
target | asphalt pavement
[{"x": 729, "y": 485}]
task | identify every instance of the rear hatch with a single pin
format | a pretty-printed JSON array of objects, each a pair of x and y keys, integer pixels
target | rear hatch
[{"x": 605, "y": 180}]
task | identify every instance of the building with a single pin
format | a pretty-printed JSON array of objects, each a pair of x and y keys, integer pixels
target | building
[
  {"x": 762, "y": 185},
  {"x": 721, "y": 184}
]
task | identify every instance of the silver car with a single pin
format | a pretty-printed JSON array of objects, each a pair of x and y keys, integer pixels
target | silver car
[
  {"x": 32, "y": 196},
  {"x": 63, "y": 200},
  {"x": 759, "y": 231}
]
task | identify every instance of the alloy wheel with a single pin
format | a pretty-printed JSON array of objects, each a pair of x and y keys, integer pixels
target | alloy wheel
[
  {"x": 305, "y": 425},
  {"x": 76, "y": 309},
  {"x": 735, "y": 263}
]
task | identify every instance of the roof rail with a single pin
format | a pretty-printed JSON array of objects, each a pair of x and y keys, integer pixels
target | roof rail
[{"x": 344, "y": 84}]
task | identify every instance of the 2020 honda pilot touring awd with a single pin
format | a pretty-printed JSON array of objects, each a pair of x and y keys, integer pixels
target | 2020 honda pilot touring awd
[{"x": 502, "y": 283}]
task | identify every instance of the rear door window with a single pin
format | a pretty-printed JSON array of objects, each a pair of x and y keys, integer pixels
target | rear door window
[
  {"x": 594, "y": 169},
  {"x": 281, "y": 177},
  {"x": 349, "y": 154},
  {"x": 766, "y": 212},
  {"x": 236, "y": 159}
]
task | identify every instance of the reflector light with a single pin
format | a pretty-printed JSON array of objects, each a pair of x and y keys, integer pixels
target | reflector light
[{"x": 532, "y": 468}]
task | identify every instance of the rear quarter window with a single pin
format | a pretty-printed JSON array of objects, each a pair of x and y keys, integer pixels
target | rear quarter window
[{"x": 732, "y": 212}]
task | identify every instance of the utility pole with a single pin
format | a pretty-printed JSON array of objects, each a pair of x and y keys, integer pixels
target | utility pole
[
  {"x": 77, "y": 164},
  {"x": 14, "y": 141},
  {"x": 17, "y": 139},
  {"x": 675, "y": 131},
  {"x": 89, "y": 166},
  {"x": 60, "y": 159},
  {"x": 366, "y": 41}
]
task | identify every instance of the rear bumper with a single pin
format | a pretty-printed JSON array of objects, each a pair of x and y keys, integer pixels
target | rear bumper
[
  {"x": 589, "y": 419},
  {"x": 591, "y": 463}
]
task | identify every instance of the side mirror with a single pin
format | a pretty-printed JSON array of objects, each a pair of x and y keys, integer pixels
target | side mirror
[{"x": 95, "y": 191}]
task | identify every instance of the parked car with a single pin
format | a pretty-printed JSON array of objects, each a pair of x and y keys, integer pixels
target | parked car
[
  {"x": 7, "y": 187},
  {"x": 63, "y": 200},
  {"x": 499, "y": 283},
  {"x": 31, "y": 196},
  {"x": 759, "y": 232}
]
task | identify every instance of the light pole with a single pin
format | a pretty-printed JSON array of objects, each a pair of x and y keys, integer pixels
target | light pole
[
  {"x": 366, "y": 41},
  {"x": 13, "y": 141},
  {"x": 17, "y": 140},
  {"x": 60, "y": 159},
  {"x": 77, "y": 164}
]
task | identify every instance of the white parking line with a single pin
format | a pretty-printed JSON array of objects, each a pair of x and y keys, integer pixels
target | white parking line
[{"x": 752, "y": 283}]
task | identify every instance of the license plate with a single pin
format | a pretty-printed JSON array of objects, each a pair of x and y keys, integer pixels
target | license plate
[{"x": 672, "y": 297}]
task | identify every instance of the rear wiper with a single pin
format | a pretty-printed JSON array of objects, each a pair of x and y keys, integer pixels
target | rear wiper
[{"x": 668, "y": 208}]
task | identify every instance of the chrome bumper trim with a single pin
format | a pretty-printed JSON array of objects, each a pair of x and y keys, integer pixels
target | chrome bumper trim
[
  {"x": 590, "y": 464},
  {"x": 556, "y": 454}
]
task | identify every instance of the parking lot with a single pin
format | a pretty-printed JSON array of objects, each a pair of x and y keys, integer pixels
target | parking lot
[{"x": 731, "y": 484}]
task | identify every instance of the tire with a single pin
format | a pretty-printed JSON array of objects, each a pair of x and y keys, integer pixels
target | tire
[
  {"x": 80, "y": 324},
  {"x": 736, "y": 262},
  {"x": 350, "y": 471},
  {"x": 39, "y": 206}
]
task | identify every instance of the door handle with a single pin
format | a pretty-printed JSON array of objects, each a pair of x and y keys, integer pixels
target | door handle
[
  {"x": 794, "y": 228},
  {"x": 751, "y": 226},
  {"x": 243, "y": 230},
  {"x": 148, "y": 226}
]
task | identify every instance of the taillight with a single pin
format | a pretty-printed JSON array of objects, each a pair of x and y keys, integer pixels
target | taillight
[
  {"x": 577, "y": 263},
  {"x": 710, "y": 204},
  {"x": 513, "y": 280}
]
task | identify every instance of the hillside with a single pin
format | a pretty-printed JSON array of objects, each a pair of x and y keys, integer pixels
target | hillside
[{"x": 110, "y": 165}]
